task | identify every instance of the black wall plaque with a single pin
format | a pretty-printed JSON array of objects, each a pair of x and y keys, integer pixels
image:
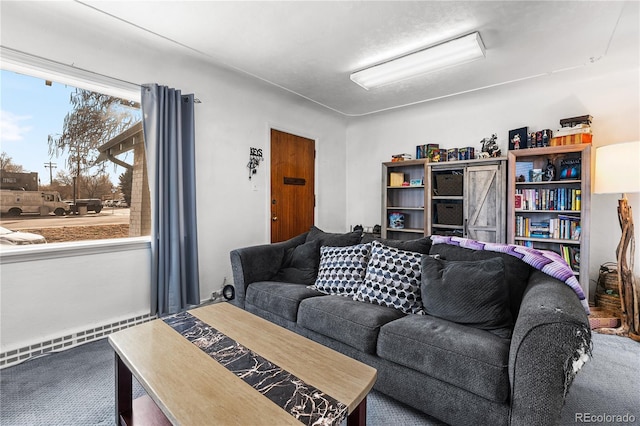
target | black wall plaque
[{"x": 294, "y": 181}]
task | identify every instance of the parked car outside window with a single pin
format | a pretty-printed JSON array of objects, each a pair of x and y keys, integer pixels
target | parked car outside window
[{"x": 17, "y": 238}]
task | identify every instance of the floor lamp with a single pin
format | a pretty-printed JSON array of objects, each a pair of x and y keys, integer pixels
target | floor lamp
[{"x": 618, "y": 171}]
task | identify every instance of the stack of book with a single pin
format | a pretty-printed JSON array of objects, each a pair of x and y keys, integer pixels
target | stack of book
[
  {"x": 574, "y": 130},
  {"x": 401, "y": 157},
  {"x": 539, "y": 230},
  {"x": 563, "y": 227}
]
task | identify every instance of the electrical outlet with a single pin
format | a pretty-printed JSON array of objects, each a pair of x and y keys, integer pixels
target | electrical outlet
[{"x": 216, "y": 295}]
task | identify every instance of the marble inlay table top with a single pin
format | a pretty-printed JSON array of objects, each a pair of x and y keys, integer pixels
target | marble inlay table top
[{"x": 219, "y": 364}]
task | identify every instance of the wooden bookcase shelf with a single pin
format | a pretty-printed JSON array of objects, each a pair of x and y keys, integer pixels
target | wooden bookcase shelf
[
  {"x": 559, "y": 209},
  {"x": 464, "y": 198},
  {"x": 407, "y": 201}
]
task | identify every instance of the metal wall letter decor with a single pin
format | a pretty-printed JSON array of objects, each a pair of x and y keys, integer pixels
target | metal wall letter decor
[{"x": 255, "y": 157}]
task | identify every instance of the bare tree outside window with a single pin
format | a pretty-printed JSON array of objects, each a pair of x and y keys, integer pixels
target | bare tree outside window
[
  {"x": 7, "y": 164},
  {"x": 94, "y": 119}
]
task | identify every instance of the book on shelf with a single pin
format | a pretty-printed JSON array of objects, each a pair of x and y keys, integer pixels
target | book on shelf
[
  {"x": 573, "y": 139},
  {"x": 571, "y": 255},
  {"x": 574, "y": 121},
  {"x": 574, "y": 257},
  {"x": 550, "y": 199},
  {"x": 540, "y": 235},
  {"x": 575, "y": 130},
  {"x": 401, "y": 157}
]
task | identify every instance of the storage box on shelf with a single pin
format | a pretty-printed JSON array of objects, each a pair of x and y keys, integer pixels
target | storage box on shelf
[
  {"x": 405, "y": 200},
  {"x": 552, "y": 214}
]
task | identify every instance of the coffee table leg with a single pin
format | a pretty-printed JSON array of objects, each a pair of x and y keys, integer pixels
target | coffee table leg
[
  {"x": 123, "y": 393},
  {"x": 359, "y": 416}
]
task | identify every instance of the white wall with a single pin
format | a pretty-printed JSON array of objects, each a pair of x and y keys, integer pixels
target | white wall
[
  {"x": 236, "y": 113},
  {"x": 610, "y": 96},
  {"x": 55, "y": 297}
]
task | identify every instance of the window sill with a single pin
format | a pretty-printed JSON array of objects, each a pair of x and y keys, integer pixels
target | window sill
[{"x": 72, "y": 249}]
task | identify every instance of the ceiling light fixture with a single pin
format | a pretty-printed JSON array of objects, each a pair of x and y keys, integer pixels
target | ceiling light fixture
[{"x": 455, "y": 52}]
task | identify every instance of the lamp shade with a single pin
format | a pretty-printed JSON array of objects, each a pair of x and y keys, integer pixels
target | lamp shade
[{"x": 618, "y": 168}]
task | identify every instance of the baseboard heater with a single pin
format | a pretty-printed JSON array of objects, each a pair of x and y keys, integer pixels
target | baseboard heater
[{"x": 69, "y": 341}]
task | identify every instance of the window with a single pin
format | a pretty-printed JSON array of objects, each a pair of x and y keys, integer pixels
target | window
[{"x": 79, "y": 149}]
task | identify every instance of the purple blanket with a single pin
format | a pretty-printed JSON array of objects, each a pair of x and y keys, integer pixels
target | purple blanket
[{"x": 549, "y": 262}]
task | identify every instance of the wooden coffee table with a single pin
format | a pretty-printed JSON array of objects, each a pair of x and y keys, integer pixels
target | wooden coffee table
[{"x": 186, "y": 385}]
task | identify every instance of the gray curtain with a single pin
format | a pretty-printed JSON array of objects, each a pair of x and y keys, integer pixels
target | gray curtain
[{"x": 168, "y": 125}]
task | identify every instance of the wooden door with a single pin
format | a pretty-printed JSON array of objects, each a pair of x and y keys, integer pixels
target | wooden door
[
  {"x": 484, "y": 203},
  {"x": 292, "y": 185}
]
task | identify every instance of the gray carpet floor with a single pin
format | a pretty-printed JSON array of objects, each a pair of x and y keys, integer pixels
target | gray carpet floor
[{"x": 76, "y": 387}]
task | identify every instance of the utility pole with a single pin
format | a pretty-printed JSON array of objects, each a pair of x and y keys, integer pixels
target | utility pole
[{"x": 50, "y": 166}]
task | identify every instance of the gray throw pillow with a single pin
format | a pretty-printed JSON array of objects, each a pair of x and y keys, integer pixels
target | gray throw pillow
[
  {"x": 472, "y": 293},
  {"x": 300, "y": 264},
  {"x": 515, "y": 270},
  {"x": 334, "y": 240},
  {"x": 419, "y": 245}
]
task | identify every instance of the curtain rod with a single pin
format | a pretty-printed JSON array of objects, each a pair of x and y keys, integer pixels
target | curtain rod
[{"x": 38, "y": 66}]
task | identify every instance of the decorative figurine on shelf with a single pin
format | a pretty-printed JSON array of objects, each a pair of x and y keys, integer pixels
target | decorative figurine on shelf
[
  {"x": 549, "y": 171},
  {"x": 490, "y": 146}
]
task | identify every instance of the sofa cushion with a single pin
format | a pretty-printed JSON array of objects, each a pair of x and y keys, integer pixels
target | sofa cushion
[
  {"x": 348, "y": 321},
  {"x": 419, "y": 245},
  {"x": 470, "y": 292},
  {"x": 392, "y": 279},
  {"x": 300, "y": 264},
  {"x": 469, "y": 358},
  {"x": 516, "y": 271},
  {"x": 334, "y": 239},
  {"x": 281, "y": 299},
  {"x": 342, "y": 269}
]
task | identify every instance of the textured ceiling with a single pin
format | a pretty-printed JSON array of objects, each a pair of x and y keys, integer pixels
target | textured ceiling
[{"x": 310, "y": 48}]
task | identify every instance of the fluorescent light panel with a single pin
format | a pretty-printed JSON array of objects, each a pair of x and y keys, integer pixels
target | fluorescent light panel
[{"x": 455, "y": 52}]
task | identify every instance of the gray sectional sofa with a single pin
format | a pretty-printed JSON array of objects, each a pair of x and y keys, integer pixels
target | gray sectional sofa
[{"x": 482, "y": 353}]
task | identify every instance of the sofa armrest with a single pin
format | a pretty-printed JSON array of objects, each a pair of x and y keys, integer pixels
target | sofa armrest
[
  {"x": 258, "y": 263},
  {"x": 550, "y": 338}
]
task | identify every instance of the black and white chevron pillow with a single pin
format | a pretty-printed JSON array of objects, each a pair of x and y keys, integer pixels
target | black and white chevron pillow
[
  {"x": 342, "y": 269},
  {"x": 393, "y": 279}
]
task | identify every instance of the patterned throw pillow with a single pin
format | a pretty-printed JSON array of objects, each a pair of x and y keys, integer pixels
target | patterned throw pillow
[
  {"x": 392, "y": 279},
  {"x": 342, "y": 269}
]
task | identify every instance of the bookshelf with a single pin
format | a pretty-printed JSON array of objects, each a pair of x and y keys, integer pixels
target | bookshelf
[
  {"x": 552, "y": 214},
  {"x": 403, "y": 201}
]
